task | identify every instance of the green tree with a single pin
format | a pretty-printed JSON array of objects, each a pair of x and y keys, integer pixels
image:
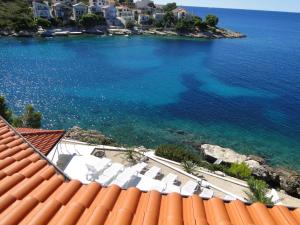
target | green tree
[
  {"x": 259, "y": 189},
  {"x": 56, "y": 22},
  {"x": 184, "y": 26},
  {"x": 211, "y": 20},
  {"x": 30, "y": 118},
  {"x": 239, "y": 170},
  {"x": 169, "y": 20},
  {"x": 198, "y": 23},
  {"x": 23, "y": 23},
  {"x": 91, "y": 20},
  {"x": 43, "y": 22},
  {"x": 5, "y": 112},
  {"x": 169, "y": 7}
]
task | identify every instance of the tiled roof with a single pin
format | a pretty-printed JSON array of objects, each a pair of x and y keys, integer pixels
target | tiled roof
[
  {"x": 32, "y": 192},
  {"x": 43, "y": 140}
]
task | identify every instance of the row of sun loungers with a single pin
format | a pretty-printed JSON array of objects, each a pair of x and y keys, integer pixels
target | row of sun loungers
[{"x": 89, "y": 168}]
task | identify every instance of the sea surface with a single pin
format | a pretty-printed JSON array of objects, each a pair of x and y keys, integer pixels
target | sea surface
[{"x": 242, "y": 94}]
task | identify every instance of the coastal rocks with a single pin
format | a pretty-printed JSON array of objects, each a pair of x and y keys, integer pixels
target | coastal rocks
[
  {"x": 24, "y": 34},
  {"x": 281, "y": 178},
  {"x": 215, "y": 152},
  {"x": 89, "y": 136},
  {"x": 289, "y": 181},
  {"x": 216, "y": 33}
]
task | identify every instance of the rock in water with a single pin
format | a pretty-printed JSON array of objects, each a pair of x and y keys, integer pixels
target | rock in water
[{"x": 89, "y": 136}]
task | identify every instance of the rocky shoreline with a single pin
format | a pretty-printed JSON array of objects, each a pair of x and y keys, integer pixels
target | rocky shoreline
[
  {"x": 89, "y": 136},
  {"x": 276, "y": 177},
  {"x": 218, "y": 33}
]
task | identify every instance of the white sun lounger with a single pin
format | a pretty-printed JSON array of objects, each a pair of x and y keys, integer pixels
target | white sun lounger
[
  {"x": 124, "y": 178},
  {"x": 206, "y": 193},
  {"x": 110, "y": 173},
  {"x": 148, "y": 184},
  {"x": 153, "y": 172},
  {"x": 170, "y": 178},
  {"x": 139, "y": 167},
  {"x": 86, "y": 168},
  {"x": 170, "y": 188},
  {"x": 189, "y": 188}
]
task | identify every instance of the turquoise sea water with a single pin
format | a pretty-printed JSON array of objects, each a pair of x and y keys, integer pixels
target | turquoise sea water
[{"x": 243, "y": 94}]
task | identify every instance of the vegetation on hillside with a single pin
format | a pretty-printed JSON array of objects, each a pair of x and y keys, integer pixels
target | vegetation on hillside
[
  {"x": 91, "y": 20},
  {"x": 239, "y": 170},
  {"x": 16, "y": 15},
  {"x": 177, "y": 153},
  {"x": 186, "y": 25},
  {"x": 30, "y": 117}
]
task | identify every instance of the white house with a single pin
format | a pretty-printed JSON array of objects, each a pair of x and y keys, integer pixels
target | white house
[
  {"x": 79, "y": 10},
  {"x": 180, "y": 13},
  {"x": 95, "y": 6},
  {"x": 125, "y": 14},
  {"x": 143, "y": 19},
  {"x": 158, "y": 16},
  {"x": 143, "y": 4},
  {"x": 41, "y": 10}
]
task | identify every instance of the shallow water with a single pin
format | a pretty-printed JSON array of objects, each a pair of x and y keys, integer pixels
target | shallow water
[{"x": 243, "y": 94}]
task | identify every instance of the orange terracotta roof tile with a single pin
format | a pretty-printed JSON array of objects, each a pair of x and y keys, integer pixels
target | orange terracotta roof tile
[
  {"x": 44, "y": 140},
  {"x": 33, "y": 191}
]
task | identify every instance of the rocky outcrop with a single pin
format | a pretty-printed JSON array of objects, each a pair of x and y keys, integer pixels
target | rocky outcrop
[
  {"x": 89, "y": 136},
  {"x": 215, "y": 33},
  {"x": 282, "y": 178},
  {"x": 228, "y": 156}
]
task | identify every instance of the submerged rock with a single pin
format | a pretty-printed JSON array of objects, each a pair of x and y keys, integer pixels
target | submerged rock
[{"x": 89, "y": 136}]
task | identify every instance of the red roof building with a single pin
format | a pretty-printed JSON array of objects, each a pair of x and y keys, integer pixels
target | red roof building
[
  {"x": 35, "y": 192},
  {"x": 43, "y": 140}
]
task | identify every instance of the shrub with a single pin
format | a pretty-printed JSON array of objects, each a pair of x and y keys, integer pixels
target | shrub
[
  {"x": 239, "y": 170},
  {"x": 259, "y": 189},
  {"x": 184, "y": 26},
  {"x": 188, "y": 166},
  {"x": 30, "y": 118},
  {"x": 91, "y": 20},
  {"x": 177, "y": 153},
  {"x": 43, "y": 22}
]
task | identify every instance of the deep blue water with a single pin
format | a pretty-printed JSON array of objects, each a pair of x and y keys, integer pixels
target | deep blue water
[{"x": 243, "y": 94}]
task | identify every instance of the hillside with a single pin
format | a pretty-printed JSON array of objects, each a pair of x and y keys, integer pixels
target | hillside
[{"x": 15, "y": 15}]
